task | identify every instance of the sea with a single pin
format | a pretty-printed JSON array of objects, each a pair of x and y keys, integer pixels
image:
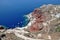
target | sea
[{"x": 12, "y": 12}]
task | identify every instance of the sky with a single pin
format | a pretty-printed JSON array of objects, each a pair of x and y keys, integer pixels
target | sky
[{"x": 12, "y": 11}]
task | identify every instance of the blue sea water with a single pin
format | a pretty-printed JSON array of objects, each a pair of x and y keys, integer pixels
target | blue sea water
[{"x": 12, "y": 11}]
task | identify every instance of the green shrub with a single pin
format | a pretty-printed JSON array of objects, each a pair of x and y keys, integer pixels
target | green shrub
[{"x": 58, "y": 29}]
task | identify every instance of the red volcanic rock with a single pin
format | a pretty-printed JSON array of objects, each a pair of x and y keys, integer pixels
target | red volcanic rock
[
  {"x": 35, "y": 27},
  {"x": 37, "y": 10},
  {"x": 39, "y": 19}
]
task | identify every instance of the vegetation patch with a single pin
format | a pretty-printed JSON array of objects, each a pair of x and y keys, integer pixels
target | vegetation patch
[{"x": 58, "y": 29}]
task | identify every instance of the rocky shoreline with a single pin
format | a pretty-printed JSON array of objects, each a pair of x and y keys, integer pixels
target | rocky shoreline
[{"x": 43, "y": 24}]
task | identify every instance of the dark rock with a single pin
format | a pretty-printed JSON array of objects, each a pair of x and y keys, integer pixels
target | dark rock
[
  {"x": 0, "y": 38},
  {"x": 3, "y": 35}
]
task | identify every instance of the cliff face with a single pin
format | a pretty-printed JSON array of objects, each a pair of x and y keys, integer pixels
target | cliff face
[
  {"x": 43, "y": 24},
  {"x": 45, "y": 18}
]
